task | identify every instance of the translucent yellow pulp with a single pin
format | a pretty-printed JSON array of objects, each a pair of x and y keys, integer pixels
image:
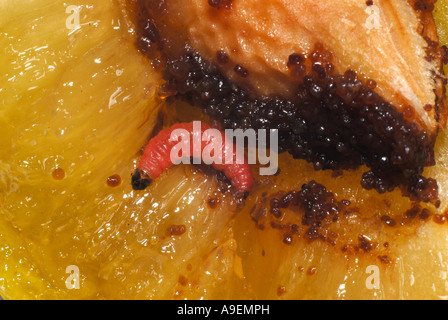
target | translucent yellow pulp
[{"x": 76, "y": 107}]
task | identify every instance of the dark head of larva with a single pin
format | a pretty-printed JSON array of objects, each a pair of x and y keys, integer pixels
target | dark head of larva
[{"x": 140, "y": 180}]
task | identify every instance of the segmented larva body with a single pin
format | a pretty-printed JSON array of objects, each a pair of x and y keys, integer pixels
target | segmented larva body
[{"x": 157, "y": 156}]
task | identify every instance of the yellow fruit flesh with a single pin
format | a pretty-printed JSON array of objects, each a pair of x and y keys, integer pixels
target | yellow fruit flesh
[{"x": 86, "y": 101}]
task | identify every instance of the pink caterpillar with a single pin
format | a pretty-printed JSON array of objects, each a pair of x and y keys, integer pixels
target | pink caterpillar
[{"x": 157, "y": 157}]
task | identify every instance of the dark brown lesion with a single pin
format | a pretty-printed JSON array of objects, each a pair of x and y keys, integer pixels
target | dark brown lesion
[{"x": 335, "y": 121}]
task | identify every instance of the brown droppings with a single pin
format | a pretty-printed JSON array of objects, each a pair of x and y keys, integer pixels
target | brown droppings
[
  {"x": 294, "y": 228},
  {"x": 428, "y": 107},
  {"x": 177, "y": 230},
  {"x": 412, "y": 212},
  {"x": 58, "y": 174},
  {"x": 287, "y": 239},
  {"x": 286, "y": 200},
  {"x": 408, "y": 112},
  {"x": 425, "y": 214},
  {"x": 388, "y": 221},
  {"x": 385, "y": 259},
  {"x": 114, "y": 181},
  {"x": 365, "y": 243},
  {"x": 369, "y": 3},
  {"x": 222, "y": 57},
  {"x": 320, "y": 54},
  {"x": 371, "y": 84},
  {"x": 319, "y": 69},
  {"x": 311, "y": 271},
  {"x": 213, "y": 202},
  {"x": 439, "y": 218},
  {"x": 275, "y": 210},
  {"x": 386, "y": 244},
  {"x": 281, "y": 290},
  {"x": 295, "y": 59},
  {"x": 317, "y": 206}
]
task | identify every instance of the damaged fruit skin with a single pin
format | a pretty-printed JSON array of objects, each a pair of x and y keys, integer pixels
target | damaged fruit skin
[{"x": 342, "y": 95}]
